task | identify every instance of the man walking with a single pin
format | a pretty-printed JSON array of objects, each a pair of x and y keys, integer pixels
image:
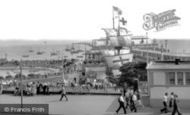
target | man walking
[
  {"x": 175, "y": 106},
  {"x": 121, "y": 104},
  {"x": 63, "y": 93},
  {"x": 133, "y": 102},
  {"x": 171, "y": 99},
  {"x": 165, "y": 100}
]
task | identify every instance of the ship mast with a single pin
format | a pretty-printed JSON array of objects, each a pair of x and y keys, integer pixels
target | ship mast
[
  {"x": 113, "y": 18},
  {"x": 123, "y": 21}
]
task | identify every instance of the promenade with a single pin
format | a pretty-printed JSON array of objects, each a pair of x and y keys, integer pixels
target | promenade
[{"x": 81, "y": 105}]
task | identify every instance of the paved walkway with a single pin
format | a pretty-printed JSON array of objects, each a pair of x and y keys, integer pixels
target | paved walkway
[
  {"x": 81, "y": 105},
  {"x": 141, "y": 111},
  {"x": 77, "y": 104}
]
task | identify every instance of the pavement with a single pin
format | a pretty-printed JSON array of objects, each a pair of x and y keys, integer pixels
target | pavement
[
  {"x": 140, "y": 110},
  {"x": 81, "y": 105}
]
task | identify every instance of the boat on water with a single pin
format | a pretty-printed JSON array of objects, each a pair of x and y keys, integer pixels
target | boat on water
[
  {"x": 31, "y": 51},
  {"x": 53, "y": 54},
  {"x": 40, "y": 52}
]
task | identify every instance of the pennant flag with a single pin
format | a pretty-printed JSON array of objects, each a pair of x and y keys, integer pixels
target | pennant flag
[{"x": 117, "y": 10}]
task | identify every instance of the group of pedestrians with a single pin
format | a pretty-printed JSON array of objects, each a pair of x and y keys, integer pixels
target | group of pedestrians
[
  {"x": 171, "y": 104},
  {"x": 42, "y": 88},
  {"x": 129, "y": 100}
]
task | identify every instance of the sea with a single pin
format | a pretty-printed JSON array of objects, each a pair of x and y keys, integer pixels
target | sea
[
  {"x": 28, "y": 50},
  {"x": 18, "y": 49}
]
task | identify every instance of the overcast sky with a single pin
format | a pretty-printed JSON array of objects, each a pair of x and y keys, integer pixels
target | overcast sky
[{"x": 83, "y": 19}]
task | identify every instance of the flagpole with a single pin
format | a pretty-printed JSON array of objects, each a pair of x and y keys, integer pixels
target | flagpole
[
  {"x": 113, "y": 18},
  {"x": 118, "y": 32}
]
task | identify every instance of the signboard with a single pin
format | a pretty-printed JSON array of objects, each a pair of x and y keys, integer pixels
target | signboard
[{"x": 160, "y": 21}]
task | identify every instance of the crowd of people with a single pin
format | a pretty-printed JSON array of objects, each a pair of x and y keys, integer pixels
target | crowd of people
[
  {"x": 129, "y": 99},
  {"x": 170, "y": 104},
  {"x": 72, "y": 66},
  {"x": 33, "y": 88}
]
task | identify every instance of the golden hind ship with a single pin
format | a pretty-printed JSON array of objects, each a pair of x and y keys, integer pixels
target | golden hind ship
[{"x": 119, "y": 46}]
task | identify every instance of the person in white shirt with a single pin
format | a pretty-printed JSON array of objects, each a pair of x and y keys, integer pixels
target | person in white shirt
[
  {"x": 127, "y": 98},
  {"x": 133, "y": 102},
  {"x": 165, "y": 101},
  {"x": 139, "y": 99},
  {"x": 121, "y": 104}
]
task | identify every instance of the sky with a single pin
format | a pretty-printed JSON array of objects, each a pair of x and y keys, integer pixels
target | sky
[{"x": 84, "y": 19}]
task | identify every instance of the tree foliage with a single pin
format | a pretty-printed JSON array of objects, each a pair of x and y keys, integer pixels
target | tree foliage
[{"x": 131, "y": 71}]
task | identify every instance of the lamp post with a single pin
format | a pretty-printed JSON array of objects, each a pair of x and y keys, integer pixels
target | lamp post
[{"x": 21, "y": 84}]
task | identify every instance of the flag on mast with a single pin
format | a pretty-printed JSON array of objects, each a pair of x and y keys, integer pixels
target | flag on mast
[{"x": 116, "y": 9}]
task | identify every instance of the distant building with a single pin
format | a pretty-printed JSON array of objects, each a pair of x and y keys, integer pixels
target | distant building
[
  {"x": 154, "y": 51},
  {"x": 169, "y": 77},
  {"x": 93, "y": 56}
]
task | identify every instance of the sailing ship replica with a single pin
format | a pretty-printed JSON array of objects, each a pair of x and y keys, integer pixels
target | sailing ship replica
[
  {"x": 121, "y": 45},
  {"x": 112, "y": 48}
]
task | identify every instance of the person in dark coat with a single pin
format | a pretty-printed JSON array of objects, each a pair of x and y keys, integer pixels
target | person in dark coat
[
  {"x": 175, "y": 106},
  {"x": 40, "y": 88},
  {"x": 44, "y": 89},
  {"x": 47, "y": 90},
  {"x": 171, "y": 99}
]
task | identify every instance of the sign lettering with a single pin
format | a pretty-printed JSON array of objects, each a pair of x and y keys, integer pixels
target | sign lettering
[{"x": 160, "y": 21}]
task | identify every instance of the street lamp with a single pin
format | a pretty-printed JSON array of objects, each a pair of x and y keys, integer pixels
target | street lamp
[
  {"x": 21, "y": 84},
  {"x": 20, "y": 66}
]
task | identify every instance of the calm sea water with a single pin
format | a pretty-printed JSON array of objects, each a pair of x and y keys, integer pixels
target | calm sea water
[{"x": 16, "y": 49}]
